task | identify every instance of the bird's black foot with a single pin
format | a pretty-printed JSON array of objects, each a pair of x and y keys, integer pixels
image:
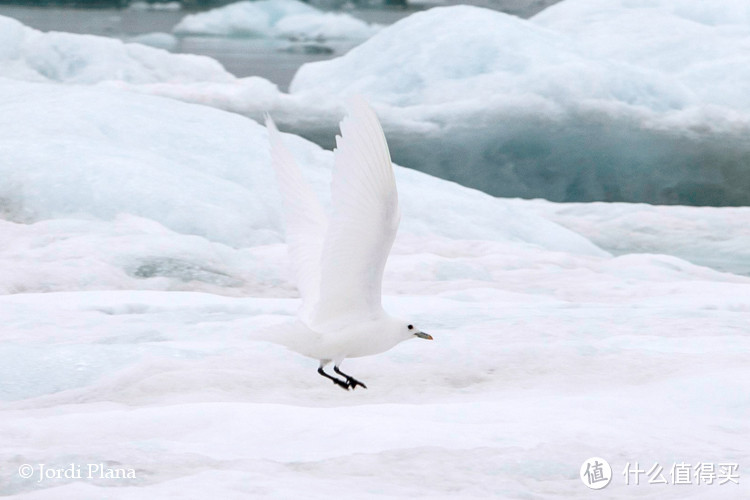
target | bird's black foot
[
  {"x": 350, "y": 381},
  {"x": 353, "y": 383},
  {"x": 341, "y": 383}
]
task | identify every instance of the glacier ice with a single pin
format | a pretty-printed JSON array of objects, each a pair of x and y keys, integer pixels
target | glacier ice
[
  {"x": 703, "y": 46},
  {"x": 575, "y": 104},
  {"x": 527, "y": 108},
  {"x": 26, "y": 53},
  {"x": 125, "y": 190},
  {"x": 290, "y": 19},
  {"x": 29, "y": 55}
]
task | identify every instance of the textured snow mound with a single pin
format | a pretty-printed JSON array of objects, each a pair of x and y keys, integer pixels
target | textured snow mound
[
  {"x": 133, "y": 191},
  {"x": 706, "y": 46}
]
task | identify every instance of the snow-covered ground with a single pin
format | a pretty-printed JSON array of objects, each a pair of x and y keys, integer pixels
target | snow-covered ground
[
  {"x": 142, "y": 263},
  {"x": 189, "y": 176},
  {"x": 276, "y": 18},
  {"x": 713, "y": 237},
  {"x": 142, "y": 255}
]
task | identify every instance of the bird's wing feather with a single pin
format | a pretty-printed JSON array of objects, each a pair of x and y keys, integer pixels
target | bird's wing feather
[
  {"x": 306, "y": 221},
  {"x": 365, "y": 217}
]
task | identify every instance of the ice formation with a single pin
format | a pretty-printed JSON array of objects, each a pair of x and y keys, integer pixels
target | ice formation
[
  {"x": 275, "y": 18},
  {"x": 189, "y": 174},
  {"x": 609, "y": 100},
  {"x": 141, "y": 250},
  {"x": 564, "y": 106},
  {"x": 26, "y": 53}
]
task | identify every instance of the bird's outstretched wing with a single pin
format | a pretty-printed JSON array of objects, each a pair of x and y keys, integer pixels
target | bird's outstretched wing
[
  {"x": 306, "y": 222},
  {"x": 364, "y": 219}
]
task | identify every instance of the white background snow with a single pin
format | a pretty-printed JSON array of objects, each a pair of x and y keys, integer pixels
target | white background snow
[{"x": 142, "y": 255}]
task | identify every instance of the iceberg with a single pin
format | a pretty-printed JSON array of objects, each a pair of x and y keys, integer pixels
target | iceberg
[
  {"x": 526, "y": 108},
  {"x": 137, "y": 191},
  {"x": 703, "y": 46},
  {"x": 275, "y": 18},
  {"x": 139, "y": 5},
  {"x": 533, "y": 108},
  {"x": 26, "y": 53}
]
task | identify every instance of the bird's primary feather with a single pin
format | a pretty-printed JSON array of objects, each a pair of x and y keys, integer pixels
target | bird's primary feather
[
  {"x": 306, "y": 221},
  {"x": 365, "y": 217},
  {"x": 339, "y": 261}
]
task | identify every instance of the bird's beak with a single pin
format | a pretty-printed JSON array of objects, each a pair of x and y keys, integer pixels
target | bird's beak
[{"x": 423, "y": 335}]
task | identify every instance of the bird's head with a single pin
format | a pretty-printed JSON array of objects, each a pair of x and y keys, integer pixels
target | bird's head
[{"x": 410, "y": 331}]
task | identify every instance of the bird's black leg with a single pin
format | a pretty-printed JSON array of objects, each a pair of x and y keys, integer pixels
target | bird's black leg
[
  {"x": 338, "y": 382},
  {"x": 351, "y": 381}
]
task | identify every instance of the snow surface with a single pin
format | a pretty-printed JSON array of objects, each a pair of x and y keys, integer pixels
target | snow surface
[
  {"x": 189, "y": 175},
  {"x": 718, "y": 238},
  {"x": 275, "y": 18},
  {"x": 141, "y": 253}
]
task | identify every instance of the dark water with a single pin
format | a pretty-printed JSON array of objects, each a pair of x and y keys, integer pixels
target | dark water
[
  {"x": 106, "y": 22},
  {"x": 275, "y": 60}
]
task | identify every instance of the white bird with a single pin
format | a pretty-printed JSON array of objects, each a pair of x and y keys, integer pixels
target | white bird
[{"x": 338, "y": 261}]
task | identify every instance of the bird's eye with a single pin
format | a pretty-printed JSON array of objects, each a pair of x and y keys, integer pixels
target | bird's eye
[{"x": 411, "y": 327}]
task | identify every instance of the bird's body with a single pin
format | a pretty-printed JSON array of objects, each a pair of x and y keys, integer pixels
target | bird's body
[
  {"x": 337, "y": 341},
  {"x": 339, "y": 260}
]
